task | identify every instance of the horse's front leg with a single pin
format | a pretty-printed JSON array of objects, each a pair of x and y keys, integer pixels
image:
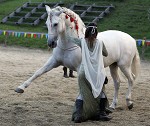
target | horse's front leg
[{"x": 50, "y": 64}]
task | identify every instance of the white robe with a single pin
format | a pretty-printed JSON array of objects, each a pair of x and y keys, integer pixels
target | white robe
[{"x": 94, "y": 66}]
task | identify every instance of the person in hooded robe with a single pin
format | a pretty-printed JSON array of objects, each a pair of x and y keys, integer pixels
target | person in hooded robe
[{"x": 92, "y": 101}]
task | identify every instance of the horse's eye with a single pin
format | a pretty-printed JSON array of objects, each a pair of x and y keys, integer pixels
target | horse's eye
[{"x": 55, "y": 24}]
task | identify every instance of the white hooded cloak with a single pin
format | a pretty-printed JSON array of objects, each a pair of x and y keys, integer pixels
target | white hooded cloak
[{"x": 94, "y": 66}]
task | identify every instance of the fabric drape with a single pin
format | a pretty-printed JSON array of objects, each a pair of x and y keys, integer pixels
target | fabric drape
[{"x": 94, "y": 66}]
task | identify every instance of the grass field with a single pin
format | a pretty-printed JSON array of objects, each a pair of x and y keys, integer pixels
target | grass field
[{"x": 130, "y": 16}]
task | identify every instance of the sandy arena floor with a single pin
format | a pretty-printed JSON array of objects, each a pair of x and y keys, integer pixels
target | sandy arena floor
[{"x": 50, "y": 98}]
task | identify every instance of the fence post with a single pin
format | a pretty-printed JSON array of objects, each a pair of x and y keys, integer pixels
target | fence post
[{"x": 143, "y": 47}]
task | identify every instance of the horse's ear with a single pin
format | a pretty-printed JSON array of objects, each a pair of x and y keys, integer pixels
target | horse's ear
[
  {"x": 48, "y": 9},
  {"x": 60, "y": 9}
]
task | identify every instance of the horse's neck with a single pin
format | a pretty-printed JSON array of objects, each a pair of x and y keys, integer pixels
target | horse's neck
[
  {"x": 70, "y": 30},
  {"x": 74, "y": 25},
  {"x": 63, "y": 41}
]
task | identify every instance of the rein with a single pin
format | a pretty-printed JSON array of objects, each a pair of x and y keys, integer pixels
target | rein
[{"x": 69, "y": 49}]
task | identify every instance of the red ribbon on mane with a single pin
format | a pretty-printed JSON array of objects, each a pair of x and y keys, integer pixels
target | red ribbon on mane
[{"x": 73, "y": 20}]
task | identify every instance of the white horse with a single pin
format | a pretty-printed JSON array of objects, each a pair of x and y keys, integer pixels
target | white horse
[{"x": 121, "y": 47}]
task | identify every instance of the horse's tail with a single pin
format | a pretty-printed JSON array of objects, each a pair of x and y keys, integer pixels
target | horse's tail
[{"x": 135, "y": 65}]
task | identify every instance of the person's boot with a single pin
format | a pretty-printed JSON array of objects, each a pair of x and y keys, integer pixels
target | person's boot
[
  {"x": 79, "y": 108},
  {"x": 103, "y": 116},
  {"x": 71, "y": 73},
  {"x": 65, "y": 72}
]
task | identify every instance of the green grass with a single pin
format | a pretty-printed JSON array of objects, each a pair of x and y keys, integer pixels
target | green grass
[
  {"x": 146, "y": 53},
  {"x": 24, "y": 42},
  {"x": 130, "y": 16}
]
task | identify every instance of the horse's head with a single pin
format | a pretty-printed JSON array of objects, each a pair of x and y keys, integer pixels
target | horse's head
[
  {"x": 54, "y": 24},
  {"x": 62, "y": 20}
]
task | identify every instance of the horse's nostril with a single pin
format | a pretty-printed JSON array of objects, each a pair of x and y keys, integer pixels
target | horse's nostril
[{"x": 53, "y": 43}]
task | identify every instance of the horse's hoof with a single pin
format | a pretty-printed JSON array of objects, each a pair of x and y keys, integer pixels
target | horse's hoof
[
  {"x": 109, "y": 110},
  {"x": 130, "y": 106},
  {"x": 72, "y": 76},
  {"x": 66, "y": 76},
  {"x": 112, "y": 107},
  {"x": 19, "y": 90}
]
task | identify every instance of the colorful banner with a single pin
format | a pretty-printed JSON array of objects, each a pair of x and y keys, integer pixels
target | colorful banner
[
  {"x": 23, "y": 34},
  {"x": 140, "y": 42}
]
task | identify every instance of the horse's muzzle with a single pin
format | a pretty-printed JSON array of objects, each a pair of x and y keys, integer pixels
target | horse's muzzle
[{"x": 52, "y": 45}]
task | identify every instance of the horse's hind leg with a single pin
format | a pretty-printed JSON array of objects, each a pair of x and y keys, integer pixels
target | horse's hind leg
[
  {"x": 127, "y": 72},
  {"x": 116, "y": 79}
]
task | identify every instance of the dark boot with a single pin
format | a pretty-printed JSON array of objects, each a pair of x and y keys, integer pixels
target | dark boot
[
  {"x": 71, "y": 73},
  {"x": 103, "y": 116},
  {"x": 65, "y": 72},
  {"x": 79, "y": 108}
]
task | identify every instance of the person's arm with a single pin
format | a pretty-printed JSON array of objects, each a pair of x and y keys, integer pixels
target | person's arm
[
  {"x": 104, "y": 51},
  {"x": 77, "y": 41}
]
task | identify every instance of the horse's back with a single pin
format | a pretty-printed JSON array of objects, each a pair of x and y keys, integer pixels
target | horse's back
[
  {"x": 116, "y": 37},
  {"x": 120, "y": 46}
]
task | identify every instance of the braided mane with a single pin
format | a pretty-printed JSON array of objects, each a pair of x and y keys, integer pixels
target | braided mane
[
  {"x": 73, "y": 20},
  {"x": 73, "y": 16}
]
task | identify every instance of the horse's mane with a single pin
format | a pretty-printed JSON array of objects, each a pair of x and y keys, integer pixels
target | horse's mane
[
  {"x": 72, "y": 14},
  {"x": 73, "y": 20}
]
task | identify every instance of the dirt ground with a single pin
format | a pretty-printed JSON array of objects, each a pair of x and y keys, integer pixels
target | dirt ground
[{"x": 49, "y": 100}]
